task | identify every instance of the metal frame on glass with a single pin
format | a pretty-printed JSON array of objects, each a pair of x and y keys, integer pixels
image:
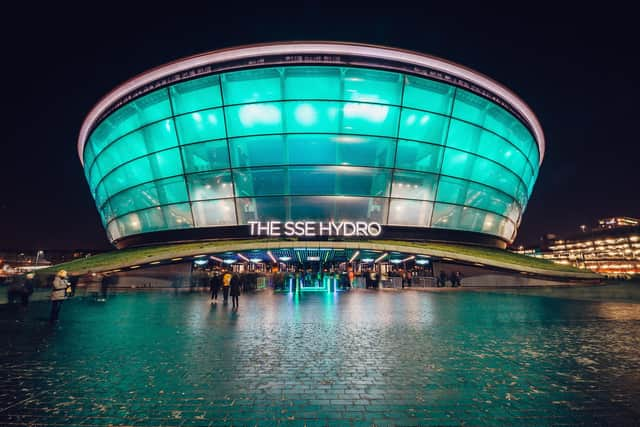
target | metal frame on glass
[{"x": 156, "y": 137}]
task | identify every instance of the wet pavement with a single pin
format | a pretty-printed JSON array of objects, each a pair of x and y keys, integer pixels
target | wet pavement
[{"x": 360, "y": 358}]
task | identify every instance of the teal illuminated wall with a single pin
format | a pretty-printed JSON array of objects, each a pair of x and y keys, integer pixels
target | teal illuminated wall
[{"x": 311, "y": 142}]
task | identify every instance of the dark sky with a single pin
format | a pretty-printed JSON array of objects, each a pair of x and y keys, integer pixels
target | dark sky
[{"x": 578, "y": 71}]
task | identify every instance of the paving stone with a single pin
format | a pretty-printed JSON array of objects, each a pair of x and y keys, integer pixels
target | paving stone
[{"x": 360, "y": 358}]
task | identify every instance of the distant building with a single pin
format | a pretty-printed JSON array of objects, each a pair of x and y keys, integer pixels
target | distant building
[{"x": 612, "y": 248}]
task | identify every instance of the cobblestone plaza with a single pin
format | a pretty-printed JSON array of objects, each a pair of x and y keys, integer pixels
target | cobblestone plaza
[{"x": 546, "y": 357}]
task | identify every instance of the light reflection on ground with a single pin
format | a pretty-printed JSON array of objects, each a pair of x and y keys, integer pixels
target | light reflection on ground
[{"x": 361, "y": 358}]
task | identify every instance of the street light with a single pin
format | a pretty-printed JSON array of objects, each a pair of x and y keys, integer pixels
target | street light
[{"x": 40, "y": 252}]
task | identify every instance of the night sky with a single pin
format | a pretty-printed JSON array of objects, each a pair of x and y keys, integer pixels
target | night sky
[{"x": 577, "y": 71}]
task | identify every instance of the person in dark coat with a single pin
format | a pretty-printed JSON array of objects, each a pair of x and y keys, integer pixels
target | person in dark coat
[
  {"x": 216, "y": 282},
  {"x": 235, "y": 290},
  {"x": 27, "y": 288},
  {"x": 442, "y": 280}
]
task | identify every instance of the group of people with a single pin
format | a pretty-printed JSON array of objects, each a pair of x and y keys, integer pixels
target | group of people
[
  {"x": 62, "y": 287},
  {"x": 455, "y": 278},
  {"x": 230, "y": 284}
]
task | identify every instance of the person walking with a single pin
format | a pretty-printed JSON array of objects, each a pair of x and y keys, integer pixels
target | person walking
[
  {"x": 58, "y": 294},
  {"x": 442, "y": 280},
  {"x": 458, "y": 277},
  {"x": 216, "y": 281},
  {"x": 27, "y": 288},
  {"x": 226, "y": 283},
  {"x": 235, "y": 290}
]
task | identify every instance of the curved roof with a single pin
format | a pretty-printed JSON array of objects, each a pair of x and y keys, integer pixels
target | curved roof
[{"x": 364, "y": 51}]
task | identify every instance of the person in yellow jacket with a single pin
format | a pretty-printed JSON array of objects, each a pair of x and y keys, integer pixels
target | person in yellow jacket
[
  {"x": 58, "y": 294},
  {"x": 226, "y": 283}
]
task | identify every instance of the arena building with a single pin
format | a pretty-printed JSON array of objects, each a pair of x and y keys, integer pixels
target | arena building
[{"x": 311, "y": 141}]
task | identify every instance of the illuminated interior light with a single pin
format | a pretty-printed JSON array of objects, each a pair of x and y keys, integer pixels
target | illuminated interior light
[
  {"x": 367, "y": 260},
  {"x": 242, "y": 257},
  {"x": 396, "y": 261},
  {"x": 255, "y": 260},
  {"x": 215, "y": 258},
  {"x": 199, "y": 256},
  {"x": 354, "y": 256},
  {"x": 271, "y": 256},
  {"x": 134, "y": 267},
  {"x": 154, "y": 262},
  {"x": 409, "y": 258},
  {"x": 176, "y": 259},
  {"x": 306, "y": 115},
  {"x": 381, "y": 257},
  {"x": 371, "y": 112},
  {"x": 285, "y": 258},
  {"x": 422, "y": 261},
  {"x": 259, "y": 114},
  {"x": 229, "y": 261}
]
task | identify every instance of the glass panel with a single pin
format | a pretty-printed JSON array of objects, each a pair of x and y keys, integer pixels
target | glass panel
[
  {"x": 262, "y": 84},
  {"x": 113, "y": 231},
  {"x": 429, "y": 95},
  {"x": 96, "y": 175},
  {"x": 106, "y": 213},
  {"x": 260, "y": 182},
  {"x": 419, "y": 156},
  {"x": 412, "y": 185},
  {"x": 88, "y": 157},
  {"x": 310, "y": 116},
  {"x": 147, "y": 109},
  {"x": 262, "y": 209},
  {"x": 410, "y": 212},
  {"x": 171, "y": 190},
  {"x": 312, "y": 83},
  {"x": 370, "y": 119},
  {"x": 101, "y": 195},
  {"x": 467, "y": 166},
  {"x": 372, "y": 86},
  {"x": 364, "y": 150},
  {"x": 209, "y": 185},
  {"x": 337, "y": 208},
  {"x": 158, "y": 165},
  {"x": 319, "y": 208},
  {"x": 177, "y": 216},
  {"x": 196, "y": 94},
  {"x": 467, "y": 193},
  {"x": 257, "y": 151},
  {"x": 154, "y": 219},
  {"x": 149, "y": 139},
  {"x": 201, "y": 126},
  {"x": 469, "y": 219},
  {"x": 340, "y": 180},
  {"x": 470, "y": 107},
  {"x": 214, "y": 212},
  {"x": 254, "y": 119},
  {"x": 471, "y": 138},
  {"x": 446, "y": 216},
  {"x": 209, "y": 155},
  {"x": 423, "y": 126}
]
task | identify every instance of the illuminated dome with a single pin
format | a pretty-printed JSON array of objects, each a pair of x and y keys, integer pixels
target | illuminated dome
[{"x": 311, "y": 131}]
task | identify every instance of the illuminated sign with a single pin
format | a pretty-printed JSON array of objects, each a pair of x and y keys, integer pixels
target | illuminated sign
[{"x": 315, "y": 228}]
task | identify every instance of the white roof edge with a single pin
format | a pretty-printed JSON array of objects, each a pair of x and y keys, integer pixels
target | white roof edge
[{"x": 328, "y": 48}]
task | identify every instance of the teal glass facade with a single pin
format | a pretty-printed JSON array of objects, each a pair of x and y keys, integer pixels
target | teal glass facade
[{"x": 304, "y": 142}]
